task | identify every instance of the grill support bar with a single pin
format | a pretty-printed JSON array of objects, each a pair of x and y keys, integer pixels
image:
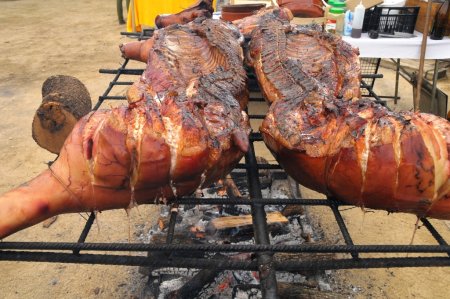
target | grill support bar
[
  {"x": 288, "y": 266},
  {"x": 85, "y": 231},
  {"x": 267, "y": 274},
  {"x": 342, "y": 226},
  {"x": 434, "y": 232},
  {"x": 303, "y": 248},
  {"x": 111, "y": 84},
  {"x": 172, "y": 222}
]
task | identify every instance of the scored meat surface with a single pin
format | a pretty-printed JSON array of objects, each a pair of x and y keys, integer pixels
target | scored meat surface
[
  {"x": 182, "y": 129},
  {"x": 330, "y": 140},
  {"x": 248, "y": 24},
  {"x": 202, "y": 8}
]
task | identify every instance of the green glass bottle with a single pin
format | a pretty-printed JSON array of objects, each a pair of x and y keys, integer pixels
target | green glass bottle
[{"x": 441, "y": 21}]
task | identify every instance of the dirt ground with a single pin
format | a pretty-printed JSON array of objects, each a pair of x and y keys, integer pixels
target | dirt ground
[{"x": 43, "y": 38}]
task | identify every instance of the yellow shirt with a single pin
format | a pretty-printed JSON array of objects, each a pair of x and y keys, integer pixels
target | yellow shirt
[{"x": 142, "y": 13}]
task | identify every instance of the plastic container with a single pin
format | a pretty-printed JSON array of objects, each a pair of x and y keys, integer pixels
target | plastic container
[
  {"x": 358, "y": 20},
  {"x": 348, "y": 20},
  {"x": 392, "y": 3},
  {"x": 384, "y": 20},
  {"x": 334, "y": 14}
]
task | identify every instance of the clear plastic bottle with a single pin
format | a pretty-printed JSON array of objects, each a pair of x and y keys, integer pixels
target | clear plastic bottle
[
  {"x": 358, "y": 20},
  {"x": 348, "y": 20}
]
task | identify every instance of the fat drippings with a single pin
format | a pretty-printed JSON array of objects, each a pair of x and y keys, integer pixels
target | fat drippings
[
  {"x": 138, "y": 129},
  {"x": 396, "y": 144},
  {"x": 172, "y": 138},
  {"x": 365, "y": 156}
]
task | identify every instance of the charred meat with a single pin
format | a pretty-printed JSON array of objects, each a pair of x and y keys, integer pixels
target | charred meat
[
  {"x": 329, "y": 139},
  {"x": 182, "y": 129}
]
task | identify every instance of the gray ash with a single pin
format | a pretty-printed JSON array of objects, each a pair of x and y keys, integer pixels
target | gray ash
[{"x": 197, "y": 224}]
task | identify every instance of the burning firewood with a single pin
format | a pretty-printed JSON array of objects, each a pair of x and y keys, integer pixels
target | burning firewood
[
  {"x": 291, "y": 210},
  {"x": 229, "y": 188},
  {"x": 243, "y": 223},
  {"x": 163, "y": 222}
]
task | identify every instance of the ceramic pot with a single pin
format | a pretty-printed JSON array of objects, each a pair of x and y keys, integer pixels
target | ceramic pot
[{"x": 239, "y": 11}]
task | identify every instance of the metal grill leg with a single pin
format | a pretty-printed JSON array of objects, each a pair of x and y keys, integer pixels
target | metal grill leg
[{"x": 266, "y": 271}]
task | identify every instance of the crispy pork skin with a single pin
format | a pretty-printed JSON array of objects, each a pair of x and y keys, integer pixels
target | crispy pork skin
[
  {"x": 248, "y": 24},
  {"x": 203, "y": 8},
  {"x": 182, "y": 129},
  {"x": 330, "y": 140}
]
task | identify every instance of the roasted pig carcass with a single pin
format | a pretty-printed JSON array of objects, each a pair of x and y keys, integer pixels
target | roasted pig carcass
[
  {"x": 248, "y": 24},
  {"x": 182, "y": 129},
  {"x": 330, "y": 140},
  {"x": 202, "y": 8}
]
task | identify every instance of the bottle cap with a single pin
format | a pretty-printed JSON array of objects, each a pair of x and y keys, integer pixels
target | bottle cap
[
  {"x": 336, "y": 3},
  {"x": 360, "y": 6},
  {"x": 337, "y": 10}
]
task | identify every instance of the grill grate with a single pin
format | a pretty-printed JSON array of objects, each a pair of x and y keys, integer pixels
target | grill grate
[{"x": 266, "y": 263}]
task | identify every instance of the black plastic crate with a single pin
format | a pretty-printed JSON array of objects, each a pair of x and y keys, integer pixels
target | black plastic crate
[{"x": 390, "y": 19}]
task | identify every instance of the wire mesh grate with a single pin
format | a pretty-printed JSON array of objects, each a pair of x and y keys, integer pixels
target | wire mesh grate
[{"x": 369, "y": 66}]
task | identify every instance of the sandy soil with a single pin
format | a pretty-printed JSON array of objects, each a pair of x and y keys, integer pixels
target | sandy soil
[{"x": 43, "y": 38}]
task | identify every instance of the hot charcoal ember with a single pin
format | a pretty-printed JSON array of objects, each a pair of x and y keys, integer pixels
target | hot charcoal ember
[
  {"x": 330, "y": 140},
  {"x": 183, "y": 129},
  {"x": 192, "y": 229},
  {"x": 202, "y": 8}
]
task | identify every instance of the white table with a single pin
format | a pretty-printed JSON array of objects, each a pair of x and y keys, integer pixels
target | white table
[{"x": 402, "y": 48}]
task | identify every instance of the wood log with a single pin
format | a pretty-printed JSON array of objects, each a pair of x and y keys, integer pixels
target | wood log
[
  {"x": 306, "y": 256},
  {"x": 47, "y": 223},
  {"x": 65, "y": 101},
  {"x": 178, "y": 238},
  {"x": 244, "y": 223},
  {"x": 231, "y": 188},
  {"x": 70, "y": 86},
  {"x": 302, "y": 290},
  {"x": 292, "y": 210}
]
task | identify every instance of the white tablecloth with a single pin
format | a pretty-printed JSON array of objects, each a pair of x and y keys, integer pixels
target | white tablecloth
[{"x": 406, "y": 48}]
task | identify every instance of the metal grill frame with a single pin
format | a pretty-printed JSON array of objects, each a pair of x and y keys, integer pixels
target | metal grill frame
[{"x": 265, "y": 262}]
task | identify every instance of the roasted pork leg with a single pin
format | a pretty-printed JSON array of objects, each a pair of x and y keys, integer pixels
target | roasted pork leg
[
  {"x": 182, "y": 129},
  {"x": 202, "y": 8},
  {"x": 330, "y": 140}
]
